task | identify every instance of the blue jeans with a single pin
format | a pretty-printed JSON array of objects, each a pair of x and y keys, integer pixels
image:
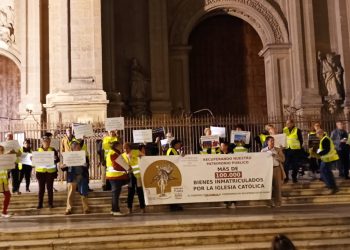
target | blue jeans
[
  {"x": 116, "y": 190},
  {"x": 327, "y": 174}
]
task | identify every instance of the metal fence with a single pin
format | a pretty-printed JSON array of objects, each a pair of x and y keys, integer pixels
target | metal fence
[{"x": 188, "y": 129}]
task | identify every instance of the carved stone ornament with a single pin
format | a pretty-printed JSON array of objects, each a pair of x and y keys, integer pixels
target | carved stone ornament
[{"x": 7, "y": 22}]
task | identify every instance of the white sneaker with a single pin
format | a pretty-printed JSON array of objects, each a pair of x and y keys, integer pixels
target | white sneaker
[
  {"x": 6, "y": 215},
  {"x": 118, "y": 214}
]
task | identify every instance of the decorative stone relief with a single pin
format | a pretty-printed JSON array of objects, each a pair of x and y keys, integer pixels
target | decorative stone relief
[
  {"x": 7, "y": 22},
  {"x": 331, "y": 80}
]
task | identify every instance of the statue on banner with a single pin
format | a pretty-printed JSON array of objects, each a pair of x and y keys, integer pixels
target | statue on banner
[{"x": 162, "y": 178}]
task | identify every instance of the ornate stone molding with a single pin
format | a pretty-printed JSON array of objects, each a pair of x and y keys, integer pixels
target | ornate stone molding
[
  {"x": 265, "y": 19},
  {"x": 7, "y": 23}
]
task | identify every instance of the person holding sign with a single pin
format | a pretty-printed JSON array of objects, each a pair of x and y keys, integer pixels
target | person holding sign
[
  {"x": 314, "y": 158},
  {"x": 278, "y": 170},
  {"x": 106, "y": 147},
  {"x": 117, "y": 175},
  {"x": 329, "y": 156},
  {"x": 131, "y": 157},
  {"x": 340, "y": 138},
  {"x": 206, "y": 146},
  {"x": 46, "y": 174},
  {"x": 4, "y": 188},
  {"x": 25, "y": 169},
  {"x": 240, "y": 146},
  {"x": 77, "y": 178},
  {"x": 15, "y": 171}
]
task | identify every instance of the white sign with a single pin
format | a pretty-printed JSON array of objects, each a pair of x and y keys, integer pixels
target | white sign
[
  {"x": 114, "y": 123},
  {"x": 206, "y": 178},
  {"x": 7, "y": 161},
  {"x": 238, "y": 136},
  {"x": 74, "y": 158},
  {"x": 120, "y": 160},
  {"x": 211, "y": 141},
  {"x": 141, "y": 136},
  {"x": 11, "y": 145},
  {"x": 83, "y": 130},
  {"x": 280, "y": 140},
  {"x": 55, "y": 143},
  {"x": 220, "y": 131},
  {"x": 25, "y": 159},
  {"x": 46, "y": 158}
]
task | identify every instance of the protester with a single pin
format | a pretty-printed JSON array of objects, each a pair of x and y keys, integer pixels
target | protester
[
  {"x": 278, "y": 171},
  {"x": 293, "y": 151},
  {"x": 131, "y": 156},
  {"x": 314, "y": 158},
  {"x": 340, "y": 138},
  {"x": 212, "y": 150},
  {"x": 25, "y": 170},
  {"x": 4, "y": 188},
  {"x": 46, "y": 174},
  {"x": 65, "y": 143},
  {"x": 240, "y": 147},
  {"x": 116, "y": 174},
  {"x": 15, "y": 174},
  {"x": 77, "y": 178},
  {"x": 225, "y": 149},
  {"x": 106, "y": 146},
  {"x": 282, "y": 242},
  {"x": 328, "y": 156},
  {"x": 261, "y": 138}
]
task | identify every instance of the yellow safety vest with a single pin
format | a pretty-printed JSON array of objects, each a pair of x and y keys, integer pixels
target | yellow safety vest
[
  {"x": 212, "y": 151},
  {"x": 292, "y": 138},
  {"x": 4, "y": 177},
  {"x": 262, "y": 138},
  {"x": 172, "y": 150},
  {"x": 332, "y": 154},
  {"x": 312, "y": 153},
  {"x": 240, "y": 149},
  {"x": 46, "y": 169},
  {"x": 133, "y": 161},
  {"x": 111, "y": 172},
  {"x": 106, "y": 143}
]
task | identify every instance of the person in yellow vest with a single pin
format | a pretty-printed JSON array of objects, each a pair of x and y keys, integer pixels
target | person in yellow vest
[
  {"x": 4, "y": 188},
  {"x": 329, "y": 156},
  {"x": 293, "y": 150},
  {"x": 314, "y": 158},
  {"x": 106, "y": 146},
  {"x": 225, "y": 149},
  {"x": 212, "y": 150},
  {"x": 65, "y": 143},
  {"x": 131, "y": 157},
  {"x": 261, "y": 138},
  {"x": 46, "y": 174},
  {"x": 25, "y": 170},
  {"x": 77, "y": 179},
  {"x": 15, "y": 172},
  {"x": 117, "y": 175},
  {"x": 240, "y": 147},
  {"x": 175, "y": 149}
]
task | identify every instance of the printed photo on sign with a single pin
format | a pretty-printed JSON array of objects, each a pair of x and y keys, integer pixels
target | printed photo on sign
[
  {"x": 240, "y": 136},
  {"x": 211, "y": 141},
  {"x": 114, "y": 123},
  {"x": 220, "y": 131}
]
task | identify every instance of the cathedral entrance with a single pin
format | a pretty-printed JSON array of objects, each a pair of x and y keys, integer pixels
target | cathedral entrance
[
  {"x": 226, "y": 74},
  {"x": 9, "y": 88}
]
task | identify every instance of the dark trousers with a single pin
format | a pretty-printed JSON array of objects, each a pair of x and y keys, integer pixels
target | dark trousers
[
  {"x": 45, "y": 179},
  {"x": 292, "y": 163},
  {"x": 314, "y": 165},
  {"x": 327, "y": 174},
  {"x": 343, "y": 163},
  {"x": 15, "y": 179},
  {"x": 131, "y": 192},
  {"x": 116, "y": 190},
  {"x": 26, "y": 173}
]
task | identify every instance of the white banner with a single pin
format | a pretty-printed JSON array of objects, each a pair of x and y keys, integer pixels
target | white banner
[
  {"x": 83, "y": 130},
  {"x": 11, "y": 145},
  {"x": 141, "y": 136},
  {"x": 7, "y": 161},
  {"x": 114, "y": 123},
  {"x": 46, "y": 158},
  {"x": 239, "y": 136},
  {"x": 220, "y": 131},
  {"x": 206, "y": 178},
  {"x": 74, "y": 158},
  {"x": 25, "y": 159},
  {"x": 280, "y": 140}
]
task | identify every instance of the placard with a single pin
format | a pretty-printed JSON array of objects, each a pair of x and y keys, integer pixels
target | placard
[
  {"x": 114, "y": 123},
  {"x": 11, "y": 145},
  {"x": 313, "y": 141},
  {"x": 239, "y": 136},
  {"x": 211, "y": 141},
  {"x": 46, "y": 158},
  {"x": 158, "y": 133},
  {"x": 206, "y": 178},
  {"x": 25, "y": 159},
  {"x": 7, "y": 161},
  {"x": 74, "y": 158},
  {"x": 120, "y": 160},
  {"x": 280, "y": 140},
  {"x": 55, "y": 143},
  {"x": 141, "y": 136},
  {"x": 83, "y": 130},
  {"x": 220, "y": 131}
]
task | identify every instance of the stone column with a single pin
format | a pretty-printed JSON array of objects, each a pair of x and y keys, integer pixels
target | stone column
[
  {"x": 278, "y": 77},
  {"x": 160, "y": 89},
  {"x": 76, "y": 91}
]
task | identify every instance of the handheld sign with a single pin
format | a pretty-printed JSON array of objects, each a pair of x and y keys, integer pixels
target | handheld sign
[
  {"x": 220, "y": 131},
  {"x": 25, "y": 159},
  {"x": 74, "y": 158},
  {"x": 83, "y": 130},
  {"x": 211, "y": 141},
  {"x": 120, "y": 160},
  {"x": 11, "y": 145},
  {"x": 7, "y": 161},
  {"x": 46, "y": 158},
  {"x": 239, "y": 136},
  {"x": 114, "y": 123},
  {"x": 280, "y": 140},
  {"x": 141, "y": 136}
]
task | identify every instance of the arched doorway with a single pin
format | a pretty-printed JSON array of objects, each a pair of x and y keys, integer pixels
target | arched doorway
[
  {"x": 226, "y": 73},
  {"x": 9, "y": 88}
]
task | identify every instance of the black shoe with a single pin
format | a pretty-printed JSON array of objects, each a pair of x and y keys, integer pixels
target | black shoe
[
  {"x": 51, "y": 206},
  {"x": 285, "y": 181},
  {"x": 295, "y": 180},
  {"x": 27, "y": 190},
  {"x": 335, "y": 190},
  {"x": 104, "y": 188},
  {"x": 346, "y": 177}
]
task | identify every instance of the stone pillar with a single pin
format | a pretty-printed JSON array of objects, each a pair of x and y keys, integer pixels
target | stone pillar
[
  {"x": 306, "y": 93},
  {"x": 76, "y": 91},
  {"x": 29, "y": 45},
  {"x": 278, "y": 77},
  {"x": 160, "y": 89},
  {"x": 179, "y": 75}
]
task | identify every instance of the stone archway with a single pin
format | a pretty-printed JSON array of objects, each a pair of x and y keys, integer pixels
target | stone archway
[{"x": 261, "y": 15}]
